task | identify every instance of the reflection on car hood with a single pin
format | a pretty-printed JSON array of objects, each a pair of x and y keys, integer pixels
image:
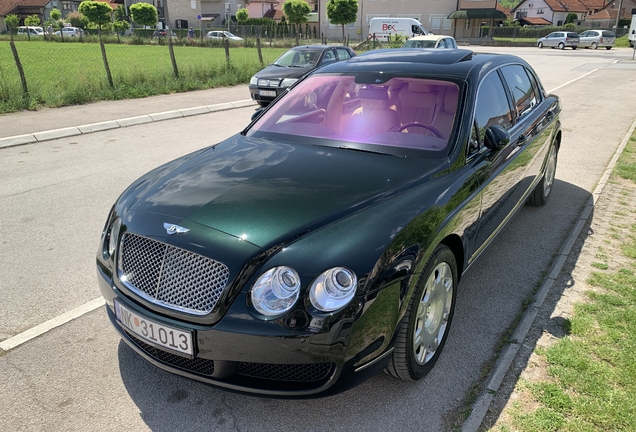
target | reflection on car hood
[
  {"x": 269, "y": 193},
  {"x": 275, "y": 72}
]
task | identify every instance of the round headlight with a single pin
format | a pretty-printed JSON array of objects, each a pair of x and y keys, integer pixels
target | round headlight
[
  {"x": 276, "y": 291},
  {"x": 254, "y": 80},
  {"x": 333, "y": 289},
  {"x": 113, "y": 236},
  {"x": 288, "y": 82}
]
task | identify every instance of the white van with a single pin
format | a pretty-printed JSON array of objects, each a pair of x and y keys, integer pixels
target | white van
[
  {"x": 632, "y": 32},
  {"x": 384, "y": 27},
  {"x": 32, "y": 31}
]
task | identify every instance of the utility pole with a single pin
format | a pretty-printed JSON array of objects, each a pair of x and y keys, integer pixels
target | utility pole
[{"x": 618, "y": 16}]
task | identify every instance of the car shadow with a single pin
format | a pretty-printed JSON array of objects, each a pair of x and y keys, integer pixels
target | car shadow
[{"x": 490, "y": 297}]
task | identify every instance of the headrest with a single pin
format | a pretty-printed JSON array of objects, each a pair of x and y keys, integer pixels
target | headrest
[
  {"x": 419, "y": 87},
  {"x": 374, "y": 93},
  {"x": 450, "y": 100}
]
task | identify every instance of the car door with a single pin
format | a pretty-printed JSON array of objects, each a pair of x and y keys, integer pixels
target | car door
[
  {"x": 509, "y": 98},
  {"x": 584, "y": 39}
]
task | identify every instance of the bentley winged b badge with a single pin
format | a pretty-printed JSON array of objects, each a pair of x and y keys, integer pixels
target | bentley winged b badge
[{"x": 174, "y": 229}]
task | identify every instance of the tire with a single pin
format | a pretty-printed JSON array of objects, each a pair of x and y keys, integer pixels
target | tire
[
  {"x": 573, "y": 48},
  {"x": 594, "y": 45},
  {"x": 608, "y": 48},
  {"x": 423, "y": 331},
  {"x": 543, "y": 190},
  {"x": 540, "y": 44},
  {"x": 561, "y": 46}
]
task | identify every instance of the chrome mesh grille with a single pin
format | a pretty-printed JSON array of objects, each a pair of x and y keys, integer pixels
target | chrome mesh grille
[{"x": 170, "y": 276}]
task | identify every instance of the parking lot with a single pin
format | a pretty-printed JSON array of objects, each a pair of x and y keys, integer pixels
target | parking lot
[{"x": 55, "y": 196}]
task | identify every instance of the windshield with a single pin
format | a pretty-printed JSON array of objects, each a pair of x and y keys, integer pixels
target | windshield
[
  {"x": 410, "y": 113},
  {"x": 299, "y": 58},
  {"x": 230, "y": 35},
  {"x": 419, "y": 44}
]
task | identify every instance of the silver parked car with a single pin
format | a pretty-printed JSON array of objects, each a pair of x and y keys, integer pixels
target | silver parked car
[
  {"x": 597, "y": 38},
  {"x": 70, "y": 32},
  {"x": 559, "y": 39}
]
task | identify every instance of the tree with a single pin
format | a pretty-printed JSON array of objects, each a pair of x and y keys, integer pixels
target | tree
[
  {"x": 342, "y": 12},
  {"x": 120, "y": 13},
  {"x": 56, "y": 15},
  {"x": 99, "y": 13},
  {"x": 571, "y": 18},
  {"x": 76, "y": 19},
  {"x": 121, "y": 26},
  {"x": 32, "y": 21},
  {"x": 297, "y": 12},
  {"x": 242, "y": 15},
  {"x": 12, "y": 22},
  {"x": 143, "y": 14}
]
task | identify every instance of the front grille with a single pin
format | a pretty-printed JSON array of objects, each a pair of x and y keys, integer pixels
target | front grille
[
  {"x": 268, "y": 82},
  {"x": 197, "y": 365},
  {"x": 170, "y": 276},
  {"x": 286, "y": 372}
]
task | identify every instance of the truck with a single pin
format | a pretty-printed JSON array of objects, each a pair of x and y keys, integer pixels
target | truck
[
  {"x": 384, "y": 28},
  {"x": 632, "y": 32}
]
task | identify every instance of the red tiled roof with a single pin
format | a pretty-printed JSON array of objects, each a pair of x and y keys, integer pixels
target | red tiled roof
[
  {"x": 535, "y": 21},
  {"x": 566, "y": 5},
  {"x": 607, "y": 14},
  {"x": 503, "y": 9},
  {"x": 594, "y": 4},
  {"x": 7, "y": 6}
]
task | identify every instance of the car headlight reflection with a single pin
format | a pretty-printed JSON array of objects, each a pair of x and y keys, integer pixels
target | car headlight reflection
[
  {"x": 276, "y": 291},
  {"x": 254, "y": 80},
  {"x": 333, "y": 289},
  {"x": 287, "y": 82},
  {"x": 113, "y": 235}
]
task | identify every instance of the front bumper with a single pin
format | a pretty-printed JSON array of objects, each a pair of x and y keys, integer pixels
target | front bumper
[{"x": 231, "y": 355}]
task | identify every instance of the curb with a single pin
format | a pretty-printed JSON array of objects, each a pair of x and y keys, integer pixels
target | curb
[
  {"x": 502, "y": 366},
  {"x": 115, "y": 124}
]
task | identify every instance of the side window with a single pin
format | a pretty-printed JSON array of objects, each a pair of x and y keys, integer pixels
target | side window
[
  {"x": 522, "y": 90},
  {"x": 328, "y": 57},
  {"x": 492, "y": 107},
  {"x": 343, "y": 54},
  {"x": 442, "y": 43}
]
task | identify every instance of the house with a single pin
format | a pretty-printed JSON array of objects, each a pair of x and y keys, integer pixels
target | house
[
  {"x": 606, "y": 18},
  {"x": 23, "y": 9},
  {"x": 472, "y": 15},
  {"x": 551, "y": 11}
]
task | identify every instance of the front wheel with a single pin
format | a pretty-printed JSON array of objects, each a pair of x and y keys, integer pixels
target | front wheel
[
  {"x": 573, "y": 47},
  {"x": 561, "y": 46},
  {"x": 540, "y": 44},
  {"x": 608, "y": 48},
  {"x": 424, "y": 328},
  {"x": 594, "y": 45},
  {"x": 542, "y": 191}
]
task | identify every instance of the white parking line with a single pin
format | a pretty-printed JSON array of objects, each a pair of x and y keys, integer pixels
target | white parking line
[{"x": 36, "y": 331}]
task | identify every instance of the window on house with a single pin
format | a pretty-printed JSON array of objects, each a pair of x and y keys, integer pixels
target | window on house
[
  {"x": 559, "y": 23},
  {"x": 66, "y": 5},
  {"x": 539, "y": 11}
]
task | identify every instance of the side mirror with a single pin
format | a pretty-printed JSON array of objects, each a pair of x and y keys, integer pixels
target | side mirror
[
  {"x": 257, "y": 112},
  {"x": 496, "y": 137}
]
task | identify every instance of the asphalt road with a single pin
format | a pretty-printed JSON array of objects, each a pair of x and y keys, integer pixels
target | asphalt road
[{"x": 55, "y": 196}]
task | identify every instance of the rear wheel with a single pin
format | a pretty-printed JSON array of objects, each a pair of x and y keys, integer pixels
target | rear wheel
[
  {"x": 424, "y": 328},
  {"x": 540, "y": 44},
  {"x": 608, "y": 48},
  {"x": 573, "y": 47},
  {"x": 542, "y": 191},
  {"x": 594, "y": 45},
  {"x": 561, "y": 45}
]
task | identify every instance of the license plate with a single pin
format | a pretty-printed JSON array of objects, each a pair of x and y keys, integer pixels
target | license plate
[
  {"x": 153, "y": 332},
  {"x": 271, "y": 93}
]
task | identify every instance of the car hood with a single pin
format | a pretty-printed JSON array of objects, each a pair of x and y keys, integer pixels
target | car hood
[
  {"x": 270, "y": 193},
  {"x": 276, "y": 72}
]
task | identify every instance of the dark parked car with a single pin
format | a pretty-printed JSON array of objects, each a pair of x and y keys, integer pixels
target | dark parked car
[
  {"x": 266, "y": 85},
  {"x": 326, "y": 241}
]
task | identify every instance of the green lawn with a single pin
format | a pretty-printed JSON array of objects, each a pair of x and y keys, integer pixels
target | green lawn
[{"x": 60, "y": 74}]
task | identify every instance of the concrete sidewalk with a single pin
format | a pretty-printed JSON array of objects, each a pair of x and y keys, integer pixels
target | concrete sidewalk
[{"x": 51, "y": 123}]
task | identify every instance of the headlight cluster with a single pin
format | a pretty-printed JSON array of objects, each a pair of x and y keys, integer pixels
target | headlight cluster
[
  {"x": 276, "y": 291},
  {"x": 287, "y": 82},
  {"x": 111, "y": 237},
  {"x": 254, "y": 80}
]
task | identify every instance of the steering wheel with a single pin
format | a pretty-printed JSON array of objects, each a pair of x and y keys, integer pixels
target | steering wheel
[{"x": 422, "y": 125}]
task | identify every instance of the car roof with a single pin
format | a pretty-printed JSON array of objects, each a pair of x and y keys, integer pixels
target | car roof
[
  {"x": 429, "y": 37},
  {"x": 453, "y": 64},
  {"x": 317, "y": 47}
]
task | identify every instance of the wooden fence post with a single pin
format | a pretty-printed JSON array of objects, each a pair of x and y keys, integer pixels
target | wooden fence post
[
  {"x": 226, "y": 45},
  {"x": 18, "y": 64},
  {"x": 258, "y": 47},
  {"x": 175, "y": 70}
]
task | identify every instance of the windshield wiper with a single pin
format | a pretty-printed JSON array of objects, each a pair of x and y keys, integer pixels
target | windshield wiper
[{"x": 344, "y": 147}]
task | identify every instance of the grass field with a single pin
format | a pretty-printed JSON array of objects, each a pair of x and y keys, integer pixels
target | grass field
[{"x": 61, "y": 74}]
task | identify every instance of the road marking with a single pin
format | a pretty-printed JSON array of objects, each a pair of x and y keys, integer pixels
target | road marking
[
  {"x": 94, "y": 304},
  {"x": 39, "y": 330},
  {"x": 570, "y": 82}
]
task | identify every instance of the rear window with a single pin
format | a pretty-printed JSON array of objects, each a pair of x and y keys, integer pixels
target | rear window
[
  {"x": 573, "y": 35},
  {"x": 608, "y": 34}
]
